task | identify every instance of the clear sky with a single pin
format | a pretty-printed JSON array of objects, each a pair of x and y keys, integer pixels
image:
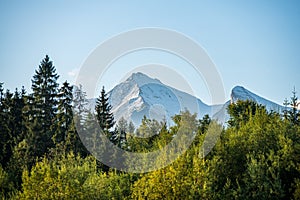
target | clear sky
[{"x": 255, "y": 44}]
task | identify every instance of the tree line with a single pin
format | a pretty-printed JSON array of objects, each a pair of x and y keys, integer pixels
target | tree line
[{"x": 43, "y": 157}]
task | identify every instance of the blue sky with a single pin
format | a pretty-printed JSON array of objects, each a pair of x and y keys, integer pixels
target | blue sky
[{"x": 255, "y": 44}]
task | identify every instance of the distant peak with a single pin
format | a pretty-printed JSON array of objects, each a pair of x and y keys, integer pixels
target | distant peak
[
  {"x": 139, "y": 75},
  {"x": 238, "y": 88},
  {"x": 141, "y": 79},
  {"x": 240, "y": 93}
]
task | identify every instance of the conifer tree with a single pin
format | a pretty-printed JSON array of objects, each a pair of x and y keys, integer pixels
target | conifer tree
[
  {"x": 204, "y": 123},
  {"x": 121, "y": 129},
  {"x": 103, "y": 112},
  {"x": 241, "y": 111},
  {"x": 80, "y": 118},
  {"x": 18, "y": 104},
  {"x": 294, "y": 113},
  {"x": 1, "y": 92},
  {"x": 44, "y": 106},
  {"x": 122, "y": 124},
  {"x": 2, "y": 130},
  {"x": 65, "y": 114},
  {"x": 5, "y": 127},
  {"x": 80, "y": 102},
  {"x": 131, "y": 127},
  {"x": 286, "y": 103}
]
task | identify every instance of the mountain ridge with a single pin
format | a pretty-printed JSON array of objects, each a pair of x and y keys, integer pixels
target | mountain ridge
[{"x": 140, "y": 95}]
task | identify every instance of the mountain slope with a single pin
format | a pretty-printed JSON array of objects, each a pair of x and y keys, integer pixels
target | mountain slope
[
  {"x": 240, "y": 93},
  {"x": 140, "y": 96}
]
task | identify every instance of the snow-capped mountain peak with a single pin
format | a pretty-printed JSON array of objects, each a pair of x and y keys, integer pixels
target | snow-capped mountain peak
[
  {"x": 240, "y": 93},
  {"x": 141, "y": 95},
  {"x": 141, "y": 79}
]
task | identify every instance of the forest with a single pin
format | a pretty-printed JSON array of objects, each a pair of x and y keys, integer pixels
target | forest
[{"x": 43, "y": 157}]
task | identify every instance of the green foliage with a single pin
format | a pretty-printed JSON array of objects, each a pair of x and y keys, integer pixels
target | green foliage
[
  {"x": 183, "y": 179},
  {"x": 204, "y": 123},
  {"x": 256, "y": 161},
  {"x": 6, "y": 186},
  {"x": 72, "y": 178},
  {"x": 262, "y": 178},
  {"x": 241, "y": 111}
]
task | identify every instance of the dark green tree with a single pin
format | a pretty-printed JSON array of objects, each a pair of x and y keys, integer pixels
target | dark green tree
[
  {"x": 11, "y": 126},
  {"x": 204, "y": 123},
  {"x": 103, "y": 113},
  {"x": 44, "y": 106},
  {"x": 294, "y": 113},
  {"x": 241, "y": 111},
  {"x": 6, "y": 124},
  {"x": 18, "y": 130},
  {"x": 65, "y": 114},
  {"x": 2, "y": 123},
  {"x": 286, "y": 103}
]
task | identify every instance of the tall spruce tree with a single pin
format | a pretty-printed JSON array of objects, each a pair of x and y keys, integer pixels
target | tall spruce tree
[
  {"x": 286, "y": 103},
  {"x": 65, "y": 115},
  {"x": 44, "y": 106},
  {"x": 79, "y": 121},
  {"x": 131, "y": 127},
  {"x": 294, "y": 113},
  {"x": 18, "y": 104},
  {"x": 80, "y": 102},
  {"x": 5, "y": 127},
  {"x": 103, "y": 112}
]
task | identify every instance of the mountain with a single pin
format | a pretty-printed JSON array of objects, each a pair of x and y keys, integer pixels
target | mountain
[
  {"x": 139, "y": 96},
  {"x": 240, "y": 93}
]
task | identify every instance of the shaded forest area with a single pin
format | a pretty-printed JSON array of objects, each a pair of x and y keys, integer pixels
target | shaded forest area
[{"x": 42, "y": 156}]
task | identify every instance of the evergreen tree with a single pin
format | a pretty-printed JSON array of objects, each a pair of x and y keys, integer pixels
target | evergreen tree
[
  {"x": 81, "y": 115},
  {"x": 5, "y": 127},
  {"x": 2, "y": 123},
  {"x": 131, "y": 127},
  {"x": 294, "y": 113},
  {"x": 19, "y": 128},
  {"x": 204, "y": 123},
  {"x": 286, "y": 103},
  {"x": 44, "y": 106},
  {"x": 80, "y": 102},
  {"x": 122, "y": 125},
  {"x": 122, "y": 139},
  {"x": 121, "y": 129},
  {"x": 1, "y": 92},
  {"x": 241, "y": 111},
  {"x": 65, "y": 114},
  {"x": 103, "y": 113},
  {"x": 11, "y": 125}
]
